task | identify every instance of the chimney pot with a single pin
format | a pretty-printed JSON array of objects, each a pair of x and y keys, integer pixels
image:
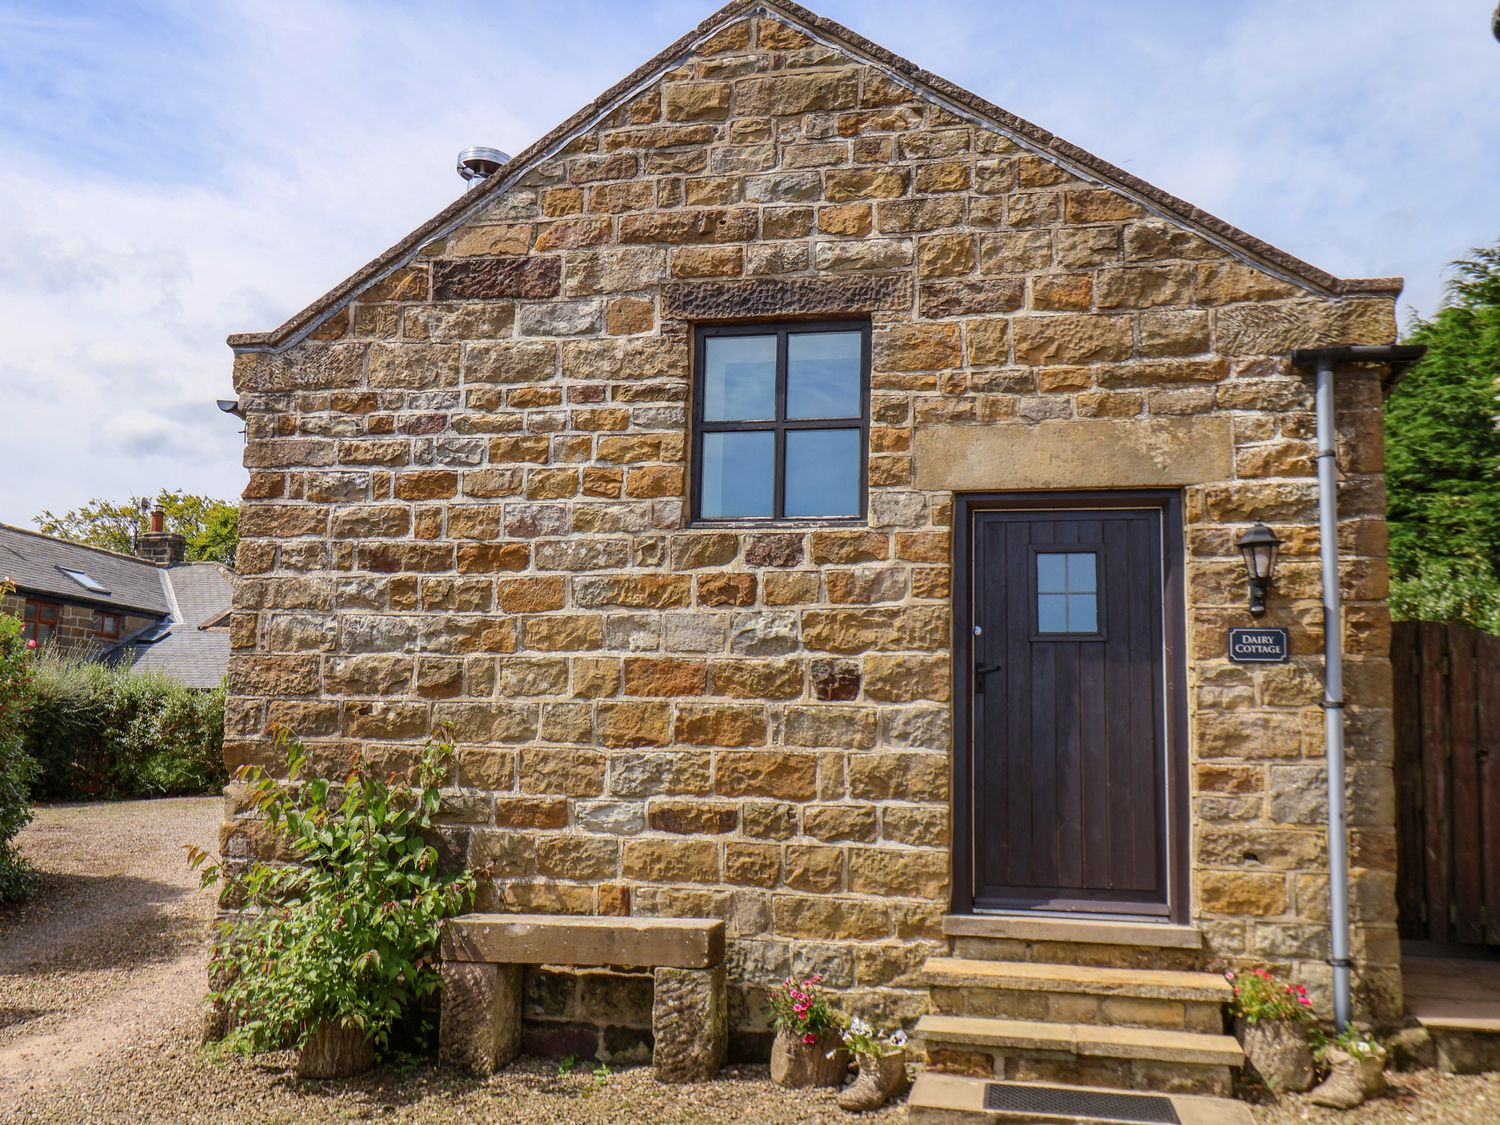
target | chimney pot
[{"x": 158, "y": 521}]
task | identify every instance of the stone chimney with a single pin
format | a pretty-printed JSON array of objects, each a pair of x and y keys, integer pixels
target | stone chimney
[{"x": 160, "y": 546}]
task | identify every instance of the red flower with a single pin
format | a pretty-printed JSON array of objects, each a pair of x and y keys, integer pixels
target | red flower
[{"x": 809, "y": 1038}]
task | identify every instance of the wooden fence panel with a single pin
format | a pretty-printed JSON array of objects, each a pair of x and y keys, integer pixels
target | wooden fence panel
[{"x": 1447, "y": 720}]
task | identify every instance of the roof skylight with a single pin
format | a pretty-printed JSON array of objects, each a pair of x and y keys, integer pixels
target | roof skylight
[{"x": 87, "y": 581}]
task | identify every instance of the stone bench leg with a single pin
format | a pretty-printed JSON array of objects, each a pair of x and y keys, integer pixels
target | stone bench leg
[
  {"x": 690, "y": 1022},
  {"x": 480, "y": 1026}
]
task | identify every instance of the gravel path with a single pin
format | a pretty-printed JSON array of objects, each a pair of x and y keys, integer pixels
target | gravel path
[
  {"x": 102, "y": 975},
  {"x": 1423, "y": 1096},
  {"x": 111, "y": 947}
]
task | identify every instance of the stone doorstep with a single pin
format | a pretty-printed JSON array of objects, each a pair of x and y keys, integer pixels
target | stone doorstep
[
  {"x": 1153, "y": 984},
  {"x": 948, "y": 1099},
  {"x": 1064, "y": 930},
  {"x": 584, "y": 940},
  {"x": 1189, "y": 1047}
]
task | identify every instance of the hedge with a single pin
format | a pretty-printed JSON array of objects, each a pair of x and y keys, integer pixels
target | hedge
[
  {"x": 99, "y": 732},
  {"x": 16, "y": 767}
]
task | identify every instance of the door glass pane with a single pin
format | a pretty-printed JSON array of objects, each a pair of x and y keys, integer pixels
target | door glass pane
[
  {"x": 1052, "y": 613},
  {"x": 823, "y": 374},
  {"x": 1067, "y": 599},
  {"x": 1081, "y": 572},
  {"x": 739, "y": 378},
  {"x": 1083, "y": 614},
  {"x": 822, "y": 473},
  {"x": 739, "y": 474},
  {"x": 1051, "y": 573}
]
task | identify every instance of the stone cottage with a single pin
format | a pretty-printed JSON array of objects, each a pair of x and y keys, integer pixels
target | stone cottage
[{"x": 810, "y": 495}]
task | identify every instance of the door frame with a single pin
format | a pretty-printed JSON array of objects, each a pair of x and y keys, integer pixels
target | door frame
[{"x": 1174, "y": 678}]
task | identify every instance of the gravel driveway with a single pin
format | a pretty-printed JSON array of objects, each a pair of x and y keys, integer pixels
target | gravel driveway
[{"x": 102, "y": 975}]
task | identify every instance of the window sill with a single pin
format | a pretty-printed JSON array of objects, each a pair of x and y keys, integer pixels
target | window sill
[{"x": 753, "y": 523}]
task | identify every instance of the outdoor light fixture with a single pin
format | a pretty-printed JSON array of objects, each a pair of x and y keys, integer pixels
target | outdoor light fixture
[{"x": 1259, "y": 546}]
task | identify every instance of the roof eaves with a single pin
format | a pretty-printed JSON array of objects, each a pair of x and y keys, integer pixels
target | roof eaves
[{"x": 957, "y": 99}]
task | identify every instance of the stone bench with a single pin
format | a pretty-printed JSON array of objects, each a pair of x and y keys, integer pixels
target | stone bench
[{"x": 482, "y": 959}]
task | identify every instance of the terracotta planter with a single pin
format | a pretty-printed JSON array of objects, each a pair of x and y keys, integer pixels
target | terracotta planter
[
  {"x": 1351, "y": 1081},
  {"x": 335, "y": 1051},
  {"x": 880, "y": 1080},
  {"x": 1278, "y": 1052},
  {"x": 795, "y": 1064}
]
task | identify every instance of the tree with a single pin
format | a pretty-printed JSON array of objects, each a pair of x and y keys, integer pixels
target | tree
[
  {"x": 1443, "y": 457},
  {"x": 211, "y": 527}
]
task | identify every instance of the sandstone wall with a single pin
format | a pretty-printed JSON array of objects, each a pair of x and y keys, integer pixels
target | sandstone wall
[{"x": 467, "y": 506}]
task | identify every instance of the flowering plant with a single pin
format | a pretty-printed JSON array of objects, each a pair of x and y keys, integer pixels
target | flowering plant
[
  {"x": 1261, "y": 998},
  {"x": 862, "y": 1039},
  {"x": 803, "y": 1008}
]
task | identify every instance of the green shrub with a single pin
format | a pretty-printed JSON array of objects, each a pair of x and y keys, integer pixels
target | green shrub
[
  {"x": 16, "y": 768},
  {"x": 1454, "y": 590},
  {"x": 102, "y": 732},
  {"x": 348, "y": 932}
]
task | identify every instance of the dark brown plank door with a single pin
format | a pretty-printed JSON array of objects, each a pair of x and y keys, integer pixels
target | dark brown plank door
[{"x": 1069, "y": 756}]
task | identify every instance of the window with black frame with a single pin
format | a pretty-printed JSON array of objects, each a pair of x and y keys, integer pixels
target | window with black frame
[{"x": 781, "y": 417}]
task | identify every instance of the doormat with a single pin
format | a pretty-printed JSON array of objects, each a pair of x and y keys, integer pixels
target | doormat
[{"x": 1105, "y": 1105}]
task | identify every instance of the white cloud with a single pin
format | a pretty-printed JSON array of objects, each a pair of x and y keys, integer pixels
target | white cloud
[{"x": 210, "y": 168}]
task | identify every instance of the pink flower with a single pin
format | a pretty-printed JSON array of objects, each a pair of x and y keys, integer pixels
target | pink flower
[
  {"x": 809, "y": 1038},
  {"x": 31, "y": 644}
]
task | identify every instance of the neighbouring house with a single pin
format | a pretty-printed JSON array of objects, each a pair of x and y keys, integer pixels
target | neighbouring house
[
  {"x": 810, "y": 496},
  {"x": 153, "y": 609}
]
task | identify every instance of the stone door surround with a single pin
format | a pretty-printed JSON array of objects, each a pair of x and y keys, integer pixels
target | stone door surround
[{"x": 482, "y": 956}]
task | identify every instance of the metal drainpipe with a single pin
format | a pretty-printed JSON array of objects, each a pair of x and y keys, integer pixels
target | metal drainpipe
[
  {"x": 1333, "y": 644},
  {"x": 1333, "y": 693}
]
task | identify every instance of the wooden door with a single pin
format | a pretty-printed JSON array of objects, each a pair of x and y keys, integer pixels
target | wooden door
[{"x": 1070, "y": 786}]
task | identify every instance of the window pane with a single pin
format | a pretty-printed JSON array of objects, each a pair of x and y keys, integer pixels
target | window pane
[
  {"x": 739, "y": 378},
  {"x": 739, "y": 474},
  {"x": 823, "y": 374},
  {"x": 822, "y": 473},
  {"x": 1051, "y": 573},
  {"x": 1052, "y": 613},
  {"x": 1081, "y": 572},
  {"x": 1083, "y": 613}
]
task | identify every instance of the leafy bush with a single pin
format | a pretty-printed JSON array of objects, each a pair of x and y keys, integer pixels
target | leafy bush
[
  {"x": 1443, "y": 458},
  {"x": 16, "y": 767},
  {"x": 101, "y": 732},
  {"x": 1455, "y": 590},
  {"x": 348, "y": 933}
]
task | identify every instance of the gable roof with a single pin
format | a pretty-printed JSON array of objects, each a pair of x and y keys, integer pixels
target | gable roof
[
  {"x": 35, "y": 563},
  {"x": 953, "y": 97},
  {"x": 195, "y": 649}
]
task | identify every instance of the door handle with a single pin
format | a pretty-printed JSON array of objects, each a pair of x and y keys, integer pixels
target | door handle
[{"x": 980, "y": 672}]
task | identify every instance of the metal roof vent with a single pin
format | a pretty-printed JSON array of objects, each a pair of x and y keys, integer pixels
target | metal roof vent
[{"x": 476, "y": 165}]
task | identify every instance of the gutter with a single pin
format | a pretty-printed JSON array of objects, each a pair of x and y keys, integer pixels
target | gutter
[{"x": 1322, "y": 361}]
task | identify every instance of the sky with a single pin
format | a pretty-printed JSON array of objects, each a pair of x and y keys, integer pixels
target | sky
[{"x": 172, "y": 172}]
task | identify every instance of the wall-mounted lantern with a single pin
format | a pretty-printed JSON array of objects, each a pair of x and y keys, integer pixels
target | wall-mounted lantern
[{"x": 1259, "y": 547}]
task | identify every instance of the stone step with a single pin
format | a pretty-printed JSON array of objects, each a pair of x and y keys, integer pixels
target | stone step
[
  {"x": 1074, "y": 941},
  {"x": 1083, "y": 1039},
  {"x": 948, "y": 1099},
  {"x": 1086, "y": 994},
  {"x": 1127, "y": 1057}
]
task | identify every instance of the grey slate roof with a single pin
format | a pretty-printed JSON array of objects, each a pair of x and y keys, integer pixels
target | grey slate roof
[
  {"x": 31, "y": 560},
  {"x": 188, "y": 652}
]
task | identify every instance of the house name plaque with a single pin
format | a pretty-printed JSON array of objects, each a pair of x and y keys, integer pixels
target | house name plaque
[{"x": 1258, "y": 646}]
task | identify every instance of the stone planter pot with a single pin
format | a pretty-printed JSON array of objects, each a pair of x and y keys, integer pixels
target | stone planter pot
[
  {"x": 1351, "y": 1081},
  {"x": 880, "y": 1080},
  {"x": 1278, "y": 1053},
  {"x": 795, "y": 1064},
  {"x": 334, "y": 1051}
]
